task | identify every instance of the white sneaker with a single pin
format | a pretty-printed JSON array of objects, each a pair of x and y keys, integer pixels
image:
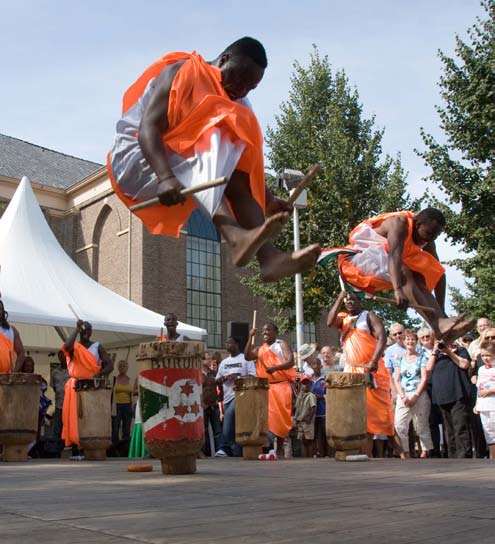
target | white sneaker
[{"x": 221, "y": 453}]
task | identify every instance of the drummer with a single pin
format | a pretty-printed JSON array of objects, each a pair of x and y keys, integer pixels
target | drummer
[
  {"x": 11, "y": 348},
  {"x": 170, "y": 321},
  {"x": 85, "y": 360}
]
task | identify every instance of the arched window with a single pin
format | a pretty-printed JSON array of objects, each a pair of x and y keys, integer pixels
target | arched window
[{"x": 204, "y": 277}]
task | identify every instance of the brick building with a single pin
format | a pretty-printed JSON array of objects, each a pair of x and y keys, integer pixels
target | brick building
[{"x": 191, "y": 276}]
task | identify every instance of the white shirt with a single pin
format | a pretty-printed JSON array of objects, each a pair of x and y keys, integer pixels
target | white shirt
[{"x": 234, "y": 365}]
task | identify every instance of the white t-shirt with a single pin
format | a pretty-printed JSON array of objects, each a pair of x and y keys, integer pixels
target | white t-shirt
[
  {"x": 234, "y": 365},
  {"x": 486, "y": 380}
]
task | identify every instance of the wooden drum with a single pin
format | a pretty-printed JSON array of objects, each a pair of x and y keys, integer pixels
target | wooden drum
[
  {"x": 19, "y": 413},
  {"x": 346, "y": 413},
  {"x": 94, "y": 417},
  {"x": 170, "y": 384},
  {"x": 251, "y": 415}
]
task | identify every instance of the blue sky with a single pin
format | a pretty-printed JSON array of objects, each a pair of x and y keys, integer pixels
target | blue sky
[{"x": 65, "y": 65}]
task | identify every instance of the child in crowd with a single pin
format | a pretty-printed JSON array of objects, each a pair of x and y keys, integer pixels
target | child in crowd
[
  {"x": 319, "y": 389},
  {"x": 304, "y": 416},
  {"x": 485, "y": 403}
]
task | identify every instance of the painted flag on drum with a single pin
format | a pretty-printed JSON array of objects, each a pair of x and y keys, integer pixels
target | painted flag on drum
[{"x": 171, "y": 407}]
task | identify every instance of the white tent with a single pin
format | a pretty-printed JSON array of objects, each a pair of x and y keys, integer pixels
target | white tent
[{"x": 38, "y": 281}]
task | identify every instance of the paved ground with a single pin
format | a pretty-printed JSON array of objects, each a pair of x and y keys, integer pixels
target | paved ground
[{"x": 231, "y": 500}]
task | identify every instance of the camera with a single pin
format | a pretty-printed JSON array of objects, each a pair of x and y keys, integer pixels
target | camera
[{"x": 441, "y": 345}]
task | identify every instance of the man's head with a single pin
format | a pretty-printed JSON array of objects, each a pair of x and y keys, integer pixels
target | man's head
[
  {"x": 307, "y": 353},
  {"x": 86, "y": 331},
  {"x": 426, "y": 337},
  {"x": 170, "y": 322},
  {"x": 482, "y": 324},
  {"x": 242, "y": 65},
  {"x": 326, "y": 355},
  {"x": 270, "y": 331},
  {"x": 232, "y": 345},
  {"x": 428, "y": 224},
  {"x": 397, "y": 333},
  {"x": 352, "y": 303}
]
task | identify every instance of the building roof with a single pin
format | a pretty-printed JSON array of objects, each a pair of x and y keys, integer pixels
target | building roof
[{"x": 44, "y": 166}]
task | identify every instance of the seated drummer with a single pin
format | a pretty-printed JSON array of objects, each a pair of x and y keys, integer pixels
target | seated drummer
[{"x": 85, "y": 360}]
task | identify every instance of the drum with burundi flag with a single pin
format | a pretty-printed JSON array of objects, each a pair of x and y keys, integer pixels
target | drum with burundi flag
[{"x": 170, "y": 401}]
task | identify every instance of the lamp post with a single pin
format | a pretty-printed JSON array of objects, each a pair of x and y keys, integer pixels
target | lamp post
[{"x": 290, "y": 179}]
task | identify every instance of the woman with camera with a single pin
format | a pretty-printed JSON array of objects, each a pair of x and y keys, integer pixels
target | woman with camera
[{"x": 451, "y": 390}]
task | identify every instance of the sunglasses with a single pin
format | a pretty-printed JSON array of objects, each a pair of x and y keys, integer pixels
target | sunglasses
[
  {"x": 424, "y": 337},
  {"x": 489, "y": 337},
  {"x": 397, "y": 333}
]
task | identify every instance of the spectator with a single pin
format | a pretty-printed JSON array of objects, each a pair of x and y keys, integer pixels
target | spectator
[
  {"x": 233, "y": 367},
  {"x": 412, "y": 400},
  {"x": 304, "y": 417},
  {"x": 319, "y": 390},
  {"x": 306, "y": 354},
  {"x": 58, "y": 379},
  {"x": 451, "y": 390},
  {"x": 393, "y": 353},
  {"x": 485, "y": 404},
  {"x": 466, "y": 340},
  {"x": 122, "y": 391},
  {"x": 211, "y": 412},
  {"x": 482, "y": 324},
  {"x": 426, "y": 339},
  {"x": 215, "y": 359},
  {"x": 327, "y": 360}
]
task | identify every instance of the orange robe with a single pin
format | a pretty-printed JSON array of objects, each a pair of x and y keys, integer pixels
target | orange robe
[
  {"x": 82, "y": 366},
  {"x": 198, "y": 106},
  {"x": 359, "y": 346},
  {"x": 7, "y": 353},
  {"x": 279, "y": 393},
  {"x": 413, "y": 257}
]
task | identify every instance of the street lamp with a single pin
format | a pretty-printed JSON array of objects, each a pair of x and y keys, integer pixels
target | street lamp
[{"x": 289, "y": 179}]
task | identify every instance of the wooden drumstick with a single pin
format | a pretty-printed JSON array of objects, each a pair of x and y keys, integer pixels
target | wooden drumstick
[
  {"x": 76, "y": 316},
  {"x": 313, "y": 171},
  {"x": 188, "y": 191},
  {"x": 254, "y": 326},
  {"x": 415, "y": 306}
]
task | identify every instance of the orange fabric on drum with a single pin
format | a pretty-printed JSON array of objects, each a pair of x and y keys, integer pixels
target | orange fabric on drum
[
  {"x": 413, "y": 257},
  {"x": 82, "y": 366},
  {"x": 198, "y": 103},
  {"x": 359, "y": 347}
]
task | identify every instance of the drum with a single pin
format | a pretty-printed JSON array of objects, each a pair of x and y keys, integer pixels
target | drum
[
  {"x": 170, "y": 383},
  {"x": 346, "y": 413},
  {"x": 94, "y": 417},
  {"x": 19, "y": 413},
  {"x": 251, "y": 415}
]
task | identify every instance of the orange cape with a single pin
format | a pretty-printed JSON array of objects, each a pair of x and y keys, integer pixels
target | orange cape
[
  {"x": 197, "y": 104},
  {"x": 82, "y": 366},
  {"x": 7, "y": 354},
  {"x": 415, "y": 258},
  {"x": 279, "y": 393},
  {"x": 359, "y": 347}
]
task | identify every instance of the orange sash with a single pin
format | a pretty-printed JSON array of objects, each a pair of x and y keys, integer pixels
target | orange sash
[
  {"x": 279, "y": 393},
  {"x": 359, "y": 347},
  {"x": 197, "y": 104},
  {"x": 82, "y": 366},
  {"x": 415, "y": 258},
  {"x": 7, "y": 354}
]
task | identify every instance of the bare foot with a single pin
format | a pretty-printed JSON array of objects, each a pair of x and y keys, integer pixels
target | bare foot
[
  {"x": 245, "y": 246},
  {"x": 281, "y": 265},
  {"x": 455, "y": 327},
  {"x": 169, "y": 192}
]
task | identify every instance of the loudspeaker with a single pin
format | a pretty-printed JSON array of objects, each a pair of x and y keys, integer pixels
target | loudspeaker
[{"x": 240, "y": 330}]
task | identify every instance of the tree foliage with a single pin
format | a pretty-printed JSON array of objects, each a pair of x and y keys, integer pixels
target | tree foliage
[
  {"x": 322, "y": 121},
  {"x": 463, "y": 167}
]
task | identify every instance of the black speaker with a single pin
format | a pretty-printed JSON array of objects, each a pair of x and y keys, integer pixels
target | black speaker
[{"x": 240, "y": 330}]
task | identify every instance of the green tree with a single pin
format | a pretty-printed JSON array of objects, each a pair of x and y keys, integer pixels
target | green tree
[
  {"x": 463, "y": 167},
  {"x": 322, "y": 121}
]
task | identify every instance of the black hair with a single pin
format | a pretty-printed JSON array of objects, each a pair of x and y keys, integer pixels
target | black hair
[
  {"x": 237, "y": 340},
  {"x": 248, "y": 47},
  {"x": 431, "y": 214},
  {"x": 87, "y": 325},
  {"x": 272, "y": 324}
]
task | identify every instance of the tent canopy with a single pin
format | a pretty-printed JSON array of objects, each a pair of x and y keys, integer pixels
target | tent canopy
[{"x": 38, "y": 282}]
